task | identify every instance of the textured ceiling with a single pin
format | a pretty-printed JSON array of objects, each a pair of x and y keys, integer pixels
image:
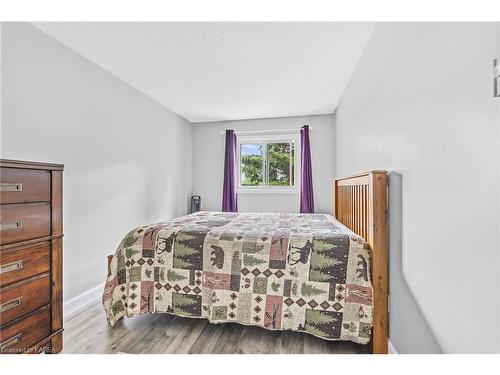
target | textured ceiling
[{"x": 225, "y": 71}]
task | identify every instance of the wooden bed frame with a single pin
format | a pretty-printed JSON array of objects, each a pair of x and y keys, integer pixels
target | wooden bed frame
[{"x": 360, "y": 203}]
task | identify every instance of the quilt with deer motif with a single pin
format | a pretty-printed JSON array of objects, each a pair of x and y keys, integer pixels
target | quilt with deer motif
[{"x": 300, "y": 272}]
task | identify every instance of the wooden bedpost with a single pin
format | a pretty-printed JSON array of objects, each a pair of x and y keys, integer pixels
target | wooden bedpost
[{"x": 360, "y": 203}]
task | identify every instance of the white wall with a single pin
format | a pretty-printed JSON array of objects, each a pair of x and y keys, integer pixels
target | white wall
[
  {"x": 208, "y": 163},
  {"x": 127, "y": 158},
  {"x": 420, "y": 104}
]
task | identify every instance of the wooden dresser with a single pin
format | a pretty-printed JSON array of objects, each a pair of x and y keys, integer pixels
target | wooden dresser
[{"x": 30, "y": 257}]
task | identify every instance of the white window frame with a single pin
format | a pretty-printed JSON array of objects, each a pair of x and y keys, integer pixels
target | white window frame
[{"x": 264, "y": 139}]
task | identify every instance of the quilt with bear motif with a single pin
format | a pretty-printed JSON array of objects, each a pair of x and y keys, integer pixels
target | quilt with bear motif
[{"x": 300, "y": 272}]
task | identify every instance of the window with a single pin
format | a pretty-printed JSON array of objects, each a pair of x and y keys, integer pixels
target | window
[{"x": 267, "y": 163}]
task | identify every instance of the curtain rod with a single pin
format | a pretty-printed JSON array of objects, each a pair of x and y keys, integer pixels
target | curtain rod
[{"x": 277, "y": 131}]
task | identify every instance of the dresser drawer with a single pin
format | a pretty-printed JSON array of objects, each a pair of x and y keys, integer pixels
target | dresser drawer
[
  {"x": 21, "y": 222},
  {"x": 25, "y": 333},
  {"x": 23, "y": 262},
  {"x": 24, "y": 185},
  {"x": 22, "y": 298}
]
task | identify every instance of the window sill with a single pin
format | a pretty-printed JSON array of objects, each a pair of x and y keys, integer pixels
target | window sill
[{"x": 268, "y": 191}]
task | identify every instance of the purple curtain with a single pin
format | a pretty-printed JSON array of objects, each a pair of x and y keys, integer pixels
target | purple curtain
[
  {"x": 306, "y": 182},
  {"x": 229, "y": 195}
]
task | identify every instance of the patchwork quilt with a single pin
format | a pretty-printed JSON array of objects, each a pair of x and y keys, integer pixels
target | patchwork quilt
[{"x": 300, "y": 272}]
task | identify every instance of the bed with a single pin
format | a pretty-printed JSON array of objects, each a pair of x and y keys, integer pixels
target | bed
[{"x": 315, "y": 273}]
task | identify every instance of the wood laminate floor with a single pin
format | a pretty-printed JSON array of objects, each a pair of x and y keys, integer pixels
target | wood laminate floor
[{"x": 88, "y": 332}]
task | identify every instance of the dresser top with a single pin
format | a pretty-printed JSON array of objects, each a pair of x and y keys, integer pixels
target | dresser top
[{"x": 7, "y": 163}]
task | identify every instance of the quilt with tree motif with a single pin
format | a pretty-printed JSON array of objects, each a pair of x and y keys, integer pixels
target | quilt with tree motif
[{"x": 300, "y": 272}]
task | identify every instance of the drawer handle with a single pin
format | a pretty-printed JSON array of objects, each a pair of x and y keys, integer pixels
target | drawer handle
[
  {"x": 9, "y": 267},
  {"x": 11, "y": 187},
  {"x": 12, "y": 225},
  {"x": 11, "y": 304},
  {"x": 10, "y": 342}
]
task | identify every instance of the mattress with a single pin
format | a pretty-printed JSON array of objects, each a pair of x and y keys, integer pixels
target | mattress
[{"x": 299, "y": 272}]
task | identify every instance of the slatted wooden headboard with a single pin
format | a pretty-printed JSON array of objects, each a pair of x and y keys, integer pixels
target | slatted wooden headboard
[{"x": 360, "y": 203}]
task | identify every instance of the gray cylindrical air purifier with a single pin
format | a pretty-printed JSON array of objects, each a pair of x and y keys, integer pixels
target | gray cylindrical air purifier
[{"x": 195, "y": 203}]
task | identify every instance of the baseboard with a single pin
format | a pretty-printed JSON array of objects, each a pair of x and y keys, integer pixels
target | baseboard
[
  {"x": 81, "y": 301},
  {"x": 391, "y": 348}
]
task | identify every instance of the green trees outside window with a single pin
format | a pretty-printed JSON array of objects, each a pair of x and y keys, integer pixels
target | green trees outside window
[{"x": 267, "y": 164}]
